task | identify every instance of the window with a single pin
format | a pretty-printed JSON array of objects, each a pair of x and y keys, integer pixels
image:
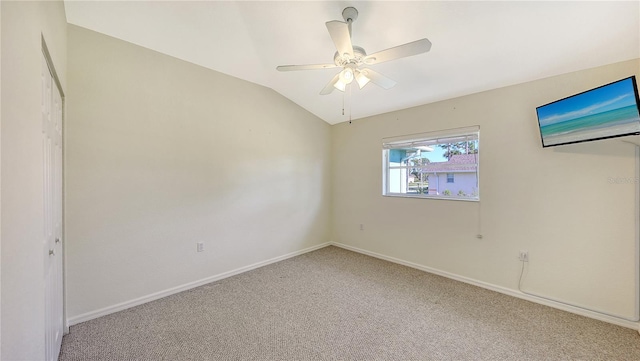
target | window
[{"x": 441, "y": 165}]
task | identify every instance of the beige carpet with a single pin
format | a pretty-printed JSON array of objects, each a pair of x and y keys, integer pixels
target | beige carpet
[{"x": 334, "y": 304}]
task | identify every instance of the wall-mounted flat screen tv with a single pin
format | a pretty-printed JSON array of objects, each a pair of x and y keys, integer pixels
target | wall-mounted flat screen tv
[{"x": 609, "y": 111}]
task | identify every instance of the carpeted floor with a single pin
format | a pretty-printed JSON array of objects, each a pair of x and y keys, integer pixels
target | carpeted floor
[{"x": 333, "y": 304}]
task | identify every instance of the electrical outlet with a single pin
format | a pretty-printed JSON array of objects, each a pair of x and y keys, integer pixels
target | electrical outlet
[
  {"x": 524, "y": 256},
  {"x": 200, "y": 246}
]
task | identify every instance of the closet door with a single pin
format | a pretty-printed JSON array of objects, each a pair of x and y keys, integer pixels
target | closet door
[{"x": 52, "y": 206}]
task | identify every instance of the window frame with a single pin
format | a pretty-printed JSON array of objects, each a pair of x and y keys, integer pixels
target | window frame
[{"x": 425, "y": 139}]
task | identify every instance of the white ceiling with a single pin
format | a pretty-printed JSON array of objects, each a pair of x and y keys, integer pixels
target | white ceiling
[{"x": 477, "y": 45}]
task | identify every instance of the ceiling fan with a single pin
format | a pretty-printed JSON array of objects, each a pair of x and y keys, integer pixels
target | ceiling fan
[{"x": 352, "y": 58}]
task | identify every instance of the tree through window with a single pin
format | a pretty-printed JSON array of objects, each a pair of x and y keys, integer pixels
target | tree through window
[{"x": 433, "y": 165}]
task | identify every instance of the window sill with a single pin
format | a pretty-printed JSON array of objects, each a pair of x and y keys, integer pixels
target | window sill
[{"x": 446, "y": 198}]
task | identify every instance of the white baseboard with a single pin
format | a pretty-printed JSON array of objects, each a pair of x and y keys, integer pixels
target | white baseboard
[
  {"x": 154, "y": 296},
  {"x": 496, "y": 288}
]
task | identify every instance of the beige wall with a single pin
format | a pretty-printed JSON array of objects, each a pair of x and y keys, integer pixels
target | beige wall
[
  {"x": 557, "y": 203},
  {"x": 22, "y": 169},
  {"x": 161, "y": 154}
]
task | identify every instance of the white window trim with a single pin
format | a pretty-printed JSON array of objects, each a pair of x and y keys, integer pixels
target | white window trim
[{"x": 426, "y": 139}]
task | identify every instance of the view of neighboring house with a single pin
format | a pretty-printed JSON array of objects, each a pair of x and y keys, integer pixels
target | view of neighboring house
[
  {"x": 457, "y": 176},
  {"x": 411, "y": 172}
]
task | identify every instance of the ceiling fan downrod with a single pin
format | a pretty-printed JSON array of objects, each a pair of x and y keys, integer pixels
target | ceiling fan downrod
[{"x": 350, "y": 14}]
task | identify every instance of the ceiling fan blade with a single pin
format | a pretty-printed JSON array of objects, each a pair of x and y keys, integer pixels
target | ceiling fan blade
[
  {"x": 341, "y": 37},
  {"x": 329, "y": 87},
  {"x": 401, "y": 51},
  {"x": 305, "y": 67},
  {"x": 378, "y": 79}
]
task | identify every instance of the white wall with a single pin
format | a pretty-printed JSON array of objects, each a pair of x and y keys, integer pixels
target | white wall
[
  {"x": 160, "y": 154},
  {"x": 559, "y": 204},
  {"x": 22, "y": 190}
]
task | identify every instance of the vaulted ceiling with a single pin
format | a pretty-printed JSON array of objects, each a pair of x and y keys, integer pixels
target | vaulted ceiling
[{"x": 477, "y": 45}]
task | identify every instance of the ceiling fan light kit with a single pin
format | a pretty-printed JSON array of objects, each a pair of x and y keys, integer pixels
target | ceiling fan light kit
[
  {"x": 352, "y": 58},
  {"x": 346, "y": 76},
  {"x": 362, "y": 79}
]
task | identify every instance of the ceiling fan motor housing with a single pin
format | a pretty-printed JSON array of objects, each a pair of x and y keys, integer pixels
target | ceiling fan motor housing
[{"x": 358, "y": 57}]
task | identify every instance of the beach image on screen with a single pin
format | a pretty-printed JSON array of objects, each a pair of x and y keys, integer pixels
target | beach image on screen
[{"x": 604, "y": 112}]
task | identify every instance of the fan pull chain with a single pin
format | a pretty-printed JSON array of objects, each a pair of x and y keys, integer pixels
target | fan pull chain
[{"x": 350, "y": 103}]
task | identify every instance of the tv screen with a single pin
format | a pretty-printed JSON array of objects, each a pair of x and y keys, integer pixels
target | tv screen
[{"x": 608, "y": 111}]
